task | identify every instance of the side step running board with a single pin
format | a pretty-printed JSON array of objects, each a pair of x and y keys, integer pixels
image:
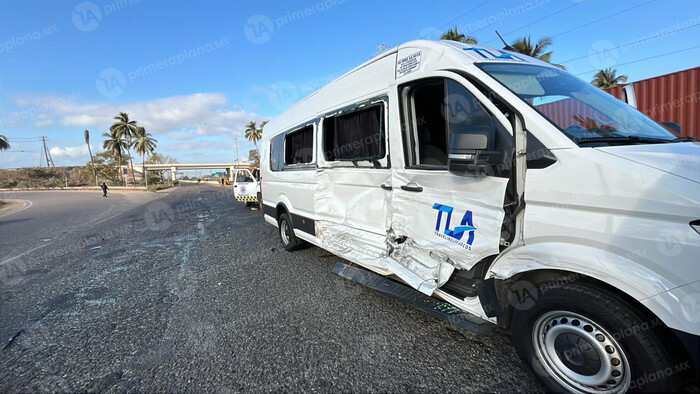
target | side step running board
[{"x": 413, "y": 298}]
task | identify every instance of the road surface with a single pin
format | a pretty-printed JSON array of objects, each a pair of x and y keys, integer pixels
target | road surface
[
  {"x": 191, "y": 292},
  {"x": 52, "y": 215}
]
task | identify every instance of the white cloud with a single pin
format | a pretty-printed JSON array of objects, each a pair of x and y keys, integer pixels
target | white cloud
[
  {"x": 70, "y": 152},
  {"x": 200, "y": 125},
  {"x": 198, "y": 113}
]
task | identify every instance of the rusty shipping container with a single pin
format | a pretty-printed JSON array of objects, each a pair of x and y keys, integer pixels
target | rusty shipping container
[{"x": 671, "y": 97}]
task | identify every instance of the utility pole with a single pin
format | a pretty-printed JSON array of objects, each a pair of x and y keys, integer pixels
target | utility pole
[
  {"x": 47, "y": 154},
  {"x": 236, "y": 139}
]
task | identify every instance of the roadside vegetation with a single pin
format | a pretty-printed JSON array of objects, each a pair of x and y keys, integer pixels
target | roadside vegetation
[
  {"x": 253, "y": 133},
  {"x": 41, "y": 177},
  {"x": 608, "y": 78}
]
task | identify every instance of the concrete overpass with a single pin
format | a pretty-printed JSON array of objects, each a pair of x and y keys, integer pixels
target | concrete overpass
[{"x": 173, "y": 167}]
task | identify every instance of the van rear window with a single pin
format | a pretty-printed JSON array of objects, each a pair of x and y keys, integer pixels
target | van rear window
[
  {"x": 358, "y": 135},
  {"x": 299, "y": 146}
]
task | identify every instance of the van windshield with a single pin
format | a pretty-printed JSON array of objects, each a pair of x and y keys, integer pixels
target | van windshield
[{"x": 586, "y": 114}]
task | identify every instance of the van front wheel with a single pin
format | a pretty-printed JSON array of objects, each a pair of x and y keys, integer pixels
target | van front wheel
[
  {"x": 581, "y": 338},
  {"x": 289, "y": 240}
]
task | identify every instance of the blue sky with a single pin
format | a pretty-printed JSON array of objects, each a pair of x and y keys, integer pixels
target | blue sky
[{"x": 194, "y": 73}]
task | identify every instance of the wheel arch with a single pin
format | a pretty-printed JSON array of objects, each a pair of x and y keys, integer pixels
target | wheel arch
[
  {"x": 504, "y": 287},
  {"x": 280, "y": 209},
  {"x": 553, "y": 278}
]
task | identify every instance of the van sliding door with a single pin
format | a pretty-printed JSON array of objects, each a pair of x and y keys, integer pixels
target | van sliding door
[{"x": 352, "y": 208}]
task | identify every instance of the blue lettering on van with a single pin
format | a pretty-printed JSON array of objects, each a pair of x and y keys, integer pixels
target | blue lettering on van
[
  {"x": 465, "y": 226},
  {"x": 489, "y": 55}
]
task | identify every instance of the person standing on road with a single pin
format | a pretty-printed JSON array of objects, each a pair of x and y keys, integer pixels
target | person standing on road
[{"x": 104, "y": 189}]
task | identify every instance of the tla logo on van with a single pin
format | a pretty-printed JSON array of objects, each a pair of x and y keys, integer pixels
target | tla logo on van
[
  {"x": 456, "y": 235},
  {"x": 489, "y": 55}
]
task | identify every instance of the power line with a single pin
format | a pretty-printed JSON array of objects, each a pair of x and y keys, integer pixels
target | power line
[
  {"x": 539, "y": 20},
  {"x": 630, "y": 43},
  {"x": 603, "y": 18},
  {"x": 461, "y": 15},
  {"x": 24, "y": 139},
  {"x": 646, "y": 58}
]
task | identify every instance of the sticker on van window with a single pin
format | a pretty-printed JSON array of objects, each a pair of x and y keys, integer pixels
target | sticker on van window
[{"x": 408, "y": 64}]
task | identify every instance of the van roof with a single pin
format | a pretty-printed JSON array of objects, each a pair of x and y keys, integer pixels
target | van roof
[{"x": 447, "y": 53}]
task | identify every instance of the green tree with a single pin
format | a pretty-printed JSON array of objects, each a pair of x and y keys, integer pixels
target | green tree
[
  {"x": 159, "y": 158},
  {"x": 144, "y": 143},
  {"x": 455, "y": 35},
  {"x": 4, "y": 142},
  {"x": 125, "y": 129},
  {"x": 253, "y": 133},
  {"x": 103, "y": 163},
  {"x": 115, "y": 145},
  {"x": 608, "y": 78},
  {"x": 254, "y": 157},
  {"x": 538, "y": 50}
]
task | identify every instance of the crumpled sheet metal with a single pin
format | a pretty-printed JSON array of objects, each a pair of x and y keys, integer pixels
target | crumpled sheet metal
[
  {"x": 396, "y": 231},
  {"x": 414, "y": 216}
]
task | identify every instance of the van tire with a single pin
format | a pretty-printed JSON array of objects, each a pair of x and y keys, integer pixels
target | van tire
[
  {"x": 635, "y": 339},
  {"x": 289, "y": 240}
]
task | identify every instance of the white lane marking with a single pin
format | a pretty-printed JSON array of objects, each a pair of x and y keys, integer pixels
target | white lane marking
[
  {"x": 27, "y": 204},
  {"x": 107, "y": 218},
  {"x": 105, "y": 212},
  {"x": 27, "y": 252}
]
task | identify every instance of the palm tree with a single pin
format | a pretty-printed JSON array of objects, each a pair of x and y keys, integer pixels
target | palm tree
[
  {"x": 524, "y": 46},
  {"x": 253, "y": 133},
  {"x": 144, "y": 143},
  {"x": 4, "y": 142},
  {"x": 607, "y": 78},
  {"x": 115, "y": 145},
  {"x": 92, "y": 160},
  {"x": 125, "y": 129},
  {"x": 455, "y": 35}
]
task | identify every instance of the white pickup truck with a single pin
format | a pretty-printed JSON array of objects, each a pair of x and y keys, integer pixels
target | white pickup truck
[{"x": 246, "y": 186}]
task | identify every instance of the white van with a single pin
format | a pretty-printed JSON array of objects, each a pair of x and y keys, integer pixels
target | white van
[{"x": 515, "y": 192}]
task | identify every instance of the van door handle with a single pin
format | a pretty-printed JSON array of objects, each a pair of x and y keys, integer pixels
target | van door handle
[
  {"x": 386, "y": 187},
  {"x": 412, "y": 187}
]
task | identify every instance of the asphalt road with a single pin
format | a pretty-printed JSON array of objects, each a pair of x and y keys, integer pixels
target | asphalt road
[
  {"x": 190, "y": 292},
  {"x": 53, "y": 215}
]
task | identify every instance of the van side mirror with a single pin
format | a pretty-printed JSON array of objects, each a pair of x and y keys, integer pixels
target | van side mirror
[
  {"x": 465, "y": 146},
  {"x": 673, "y": 127}
]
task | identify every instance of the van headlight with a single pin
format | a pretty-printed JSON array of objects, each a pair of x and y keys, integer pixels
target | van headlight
[{"x": 695, "y": 224}]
